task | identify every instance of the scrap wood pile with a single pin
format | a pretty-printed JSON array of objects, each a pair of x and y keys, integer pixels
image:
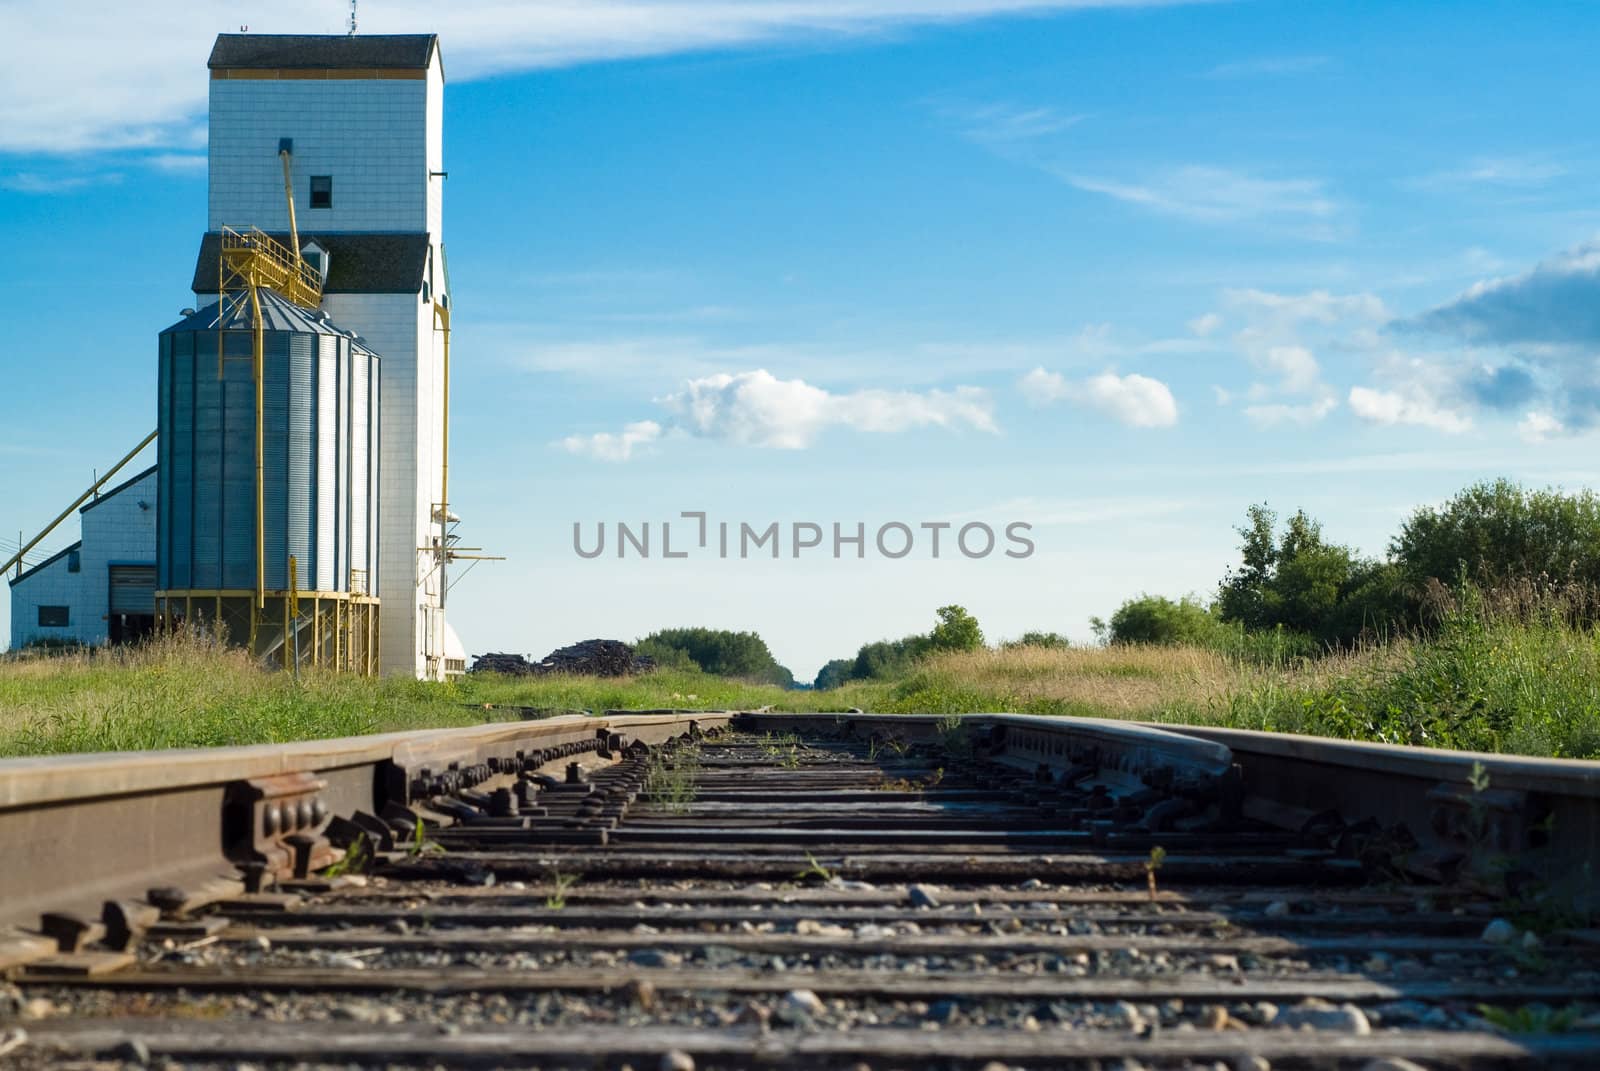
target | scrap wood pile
[{"x": 599, "y": 658}]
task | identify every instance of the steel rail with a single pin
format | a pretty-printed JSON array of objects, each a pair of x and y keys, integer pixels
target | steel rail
[{"x": 1153, "y": 893}]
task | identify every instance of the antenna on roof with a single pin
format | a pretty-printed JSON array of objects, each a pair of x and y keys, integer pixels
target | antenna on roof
[{"x": 352, "y": 18}]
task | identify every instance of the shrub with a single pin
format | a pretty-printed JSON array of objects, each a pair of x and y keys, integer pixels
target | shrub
[
  {"x": 1303, "y": 583},
  {"x": 717, "y": 651},
  {"x": 1044, "y": 640},
  {"x": 1158, "y": 620},
  {"x": 1497, "y": 533},
  {"x": 834, "y": 674},
  {"x": 957, "y": 630}
]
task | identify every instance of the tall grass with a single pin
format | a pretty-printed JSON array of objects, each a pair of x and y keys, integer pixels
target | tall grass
[
  {"x": 1516, "y": 669},
  {"x": 188, "y": 690}
]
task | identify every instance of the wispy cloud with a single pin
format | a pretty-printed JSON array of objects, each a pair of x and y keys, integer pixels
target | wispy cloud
[
  {"x": 35, "y": 183},
  {"x": 135, "y": 77},
  {"x": 1279, "y": 335},
  {"x": 1001, "y": 124},
  {"x": 1504, "y": 172},
  {"x": 1270, "y": 66},
  {"x": 1276, "y": 414},
  {"x": 1218, "y": 195},
  {"x": 177, "y": 162}
]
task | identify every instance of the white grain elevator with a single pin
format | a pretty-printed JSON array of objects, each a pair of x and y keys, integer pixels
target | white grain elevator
[{"x": 334, "y": 145}]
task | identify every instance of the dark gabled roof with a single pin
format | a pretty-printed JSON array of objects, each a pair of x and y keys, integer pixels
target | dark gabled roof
[
  {"x": 47, "y": 563},
  {"x": 361, "y": 263},
  {"x": 117, "y": 490},
  {"x": 258, "y": 51}
]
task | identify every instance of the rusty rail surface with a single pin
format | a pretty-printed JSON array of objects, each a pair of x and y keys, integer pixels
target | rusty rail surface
[{"x": 716, "y": 889}]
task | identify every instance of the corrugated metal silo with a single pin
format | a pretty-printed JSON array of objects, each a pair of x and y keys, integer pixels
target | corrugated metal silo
[{"x": 319, "y": 480}]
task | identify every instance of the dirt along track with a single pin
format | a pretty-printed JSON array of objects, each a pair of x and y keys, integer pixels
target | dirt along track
[{"x": 742, "y": 890}]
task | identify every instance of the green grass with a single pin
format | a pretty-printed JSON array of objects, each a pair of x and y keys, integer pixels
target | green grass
[
  {"x": 186, "y": 691},
  {"x": 1490, "y": 680},
  {"x": 1530, "y": 688}
]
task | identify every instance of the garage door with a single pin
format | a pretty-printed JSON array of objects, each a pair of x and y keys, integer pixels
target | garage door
[{"x": 133, "y": 589}]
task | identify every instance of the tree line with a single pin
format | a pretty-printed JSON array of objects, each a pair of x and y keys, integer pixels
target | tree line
[
  {"x": 1292, "y": 586},
  {"x": 1292, "y": 580}
]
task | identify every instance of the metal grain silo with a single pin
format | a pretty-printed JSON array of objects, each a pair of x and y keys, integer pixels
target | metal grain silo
[{"x": 290, "y": 575}]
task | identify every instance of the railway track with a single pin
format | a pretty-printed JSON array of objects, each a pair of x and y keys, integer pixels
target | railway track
[{"x": 734, "y": 890}]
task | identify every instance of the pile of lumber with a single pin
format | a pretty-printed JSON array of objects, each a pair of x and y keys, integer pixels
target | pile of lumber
[
  {"x": 598, "y": 658},
  {"x": 512, "y": 665}
]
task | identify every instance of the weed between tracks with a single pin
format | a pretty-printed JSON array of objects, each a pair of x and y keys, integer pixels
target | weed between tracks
[
  {"x": 559, "y": 884},
  {"x": 672, "y": 779}
]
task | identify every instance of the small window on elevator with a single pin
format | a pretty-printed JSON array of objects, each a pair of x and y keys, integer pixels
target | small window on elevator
[{"x": 321, "y": 191}]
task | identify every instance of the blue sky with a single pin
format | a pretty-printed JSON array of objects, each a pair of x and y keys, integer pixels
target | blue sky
[{"x": 1115, "y": 270}]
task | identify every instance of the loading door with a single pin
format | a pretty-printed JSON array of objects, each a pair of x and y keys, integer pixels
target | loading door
[
  {"x": 133, "y": 589},
  {"x": 133, "y": 603}
]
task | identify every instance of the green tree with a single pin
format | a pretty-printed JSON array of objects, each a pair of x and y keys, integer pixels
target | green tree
[
  {"x": 1499, "y": 531},
  {"x": 1243, "y": 594},
  {"x": 1154, "y": 619},
  {"x": 887, "y": 659},
  {"x": 727, "y": 654},
  {"x": 957, "y": 630},
  {"x": 1302, "y": 583},
  {"x": 834, "y": 674},
  {"x": 1038, "y": 639}
]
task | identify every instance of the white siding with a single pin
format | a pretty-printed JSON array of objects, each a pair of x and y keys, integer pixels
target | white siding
[
  {"x": 369, "y": 135},
  {"x": 400, "y": 328},
  {"x": 435, "y": 138},
  {"x": 379, "y": 140},
  {"x": 53, "y": 586},
  {"x": 116, "y": 531}
]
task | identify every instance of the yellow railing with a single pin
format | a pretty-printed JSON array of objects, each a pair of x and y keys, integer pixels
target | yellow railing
[{"x": 255, "y": 258}]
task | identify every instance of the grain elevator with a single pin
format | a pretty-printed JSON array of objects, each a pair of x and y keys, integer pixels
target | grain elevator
[{"x": 302, "y": 476}]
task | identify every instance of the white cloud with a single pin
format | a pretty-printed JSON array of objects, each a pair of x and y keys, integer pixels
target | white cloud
[
  {"x": 33, "y": 182},
  {"x": 1205, "y": 325},
  {"x": 759, "y": 409},
  {"x": 605, "y": 446},
  {"x": 1003, "y": 122},
  {"x": 1535, "y": 335},
  {"x": 1223, "y": 196},
  {"x": 1313, "y": 306},
  {"x": 1539, "y": 425},
  {"x": 1280, "y": 337},
  {"x": 135, "y": 77},
  {"x": 1494, "y": 171},
  {"x": 178, "y": 162},
  {"x": 1394, "y": 407},
  {"x": 1275, "y": 414},
  {"x": 1135, "y": 400},
  {"x": 1295, "y": 366}
]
